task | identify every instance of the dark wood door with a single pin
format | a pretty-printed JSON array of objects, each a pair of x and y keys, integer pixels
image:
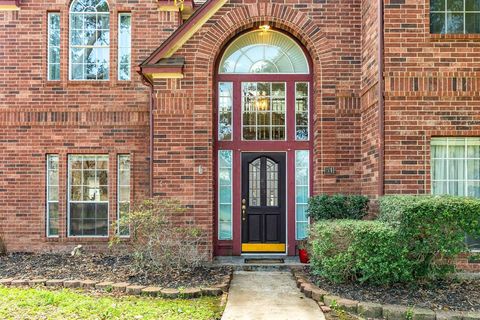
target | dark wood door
[{"x": 263, "y": 198}]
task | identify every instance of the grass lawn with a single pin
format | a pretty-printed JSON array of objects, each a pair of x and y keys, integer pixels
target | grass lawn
[{"x": 16, "y": 303}]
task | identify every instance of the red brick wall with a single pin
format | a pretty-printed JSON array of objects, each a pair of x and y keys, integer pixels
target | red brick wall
[
  {"x": 39, "y": 116},
  {"x": 422, "y": 99},
  {"x": 431, "y": 89},
  {"x": 183, "y": 125},
  {"x": 369, "y": 98}
]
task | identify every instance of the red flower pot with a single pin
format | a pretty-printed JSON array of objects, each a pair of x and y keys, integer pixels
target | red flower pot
[{"x": 303, "y": 254}]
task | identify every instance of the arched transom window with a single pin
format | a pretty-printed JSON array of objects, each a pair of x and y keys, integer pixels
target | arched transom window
[
  {"x": 264, "y": 52},
  {"x": 89, "y": 40}
]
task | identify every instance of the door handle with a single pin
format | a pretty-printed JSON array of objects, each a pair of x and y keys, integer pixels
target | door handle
[{"x": 244, "y": 209}]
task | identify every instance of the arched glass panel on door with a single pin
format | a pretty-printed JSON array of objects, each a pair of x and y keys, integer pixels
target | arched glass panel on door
[
  {"x": 263, "y": 183},
  {"x": 254, "y": 183},
  {"x": 272, "y": 183},
  {"x": 264, "y": 52}
]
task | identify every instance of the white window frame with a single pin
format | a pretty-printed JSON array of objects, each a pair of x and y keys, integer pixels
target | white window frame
[
  {"x": 119, "y": 46},
  {"x": 465, "y": 159},
  {"x": 69, "y": 201},
  {"x": 71, "y": 46},
  {"x": 48, "y": 185},
  {"x": 241, "y": 46},
  {"x": 118, "y": 193},
  {"x": 446, "y": 12},
  {"x": 448, "y": 180},
  {"x": 49, "y": 46},
  {"x": 296, "y": 188}
]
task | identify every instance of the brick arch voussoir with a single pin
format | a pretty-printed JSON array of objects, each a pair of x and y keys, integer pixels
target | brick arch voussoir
[{"x": 111, "y": 4}]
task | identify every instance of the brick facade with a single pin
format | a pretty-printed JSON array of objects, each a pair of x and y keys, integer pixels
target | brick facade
[{"x": 431, "y": 86}]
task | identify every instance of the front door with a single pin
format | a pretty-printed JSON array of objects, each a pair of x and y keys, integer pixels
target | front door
[{"x": 263, "y": 202}]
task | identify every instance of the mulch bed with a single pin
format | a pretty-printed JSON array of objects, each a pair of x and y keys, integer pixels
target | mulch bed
[
  {"x": 102, "y": 267},
  {"x": 452, "y": 294}
]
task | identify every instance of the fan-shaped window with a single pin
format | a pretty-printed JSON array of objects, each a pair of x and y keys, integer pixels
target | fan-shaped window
[
  {"x": 264, "y": 52},
  {"x": 89, "y": 40}
]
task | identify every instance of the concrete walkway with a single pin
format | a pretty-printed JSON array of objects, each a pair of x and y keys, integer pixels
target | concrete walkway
[{"x": 268, "y": 295}]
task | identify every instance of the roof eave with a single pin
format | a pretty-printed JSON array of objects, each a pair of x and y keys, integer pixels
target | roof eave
[
  {"x": 185, "y": 31},
  {"x": 9, "y": 5}
]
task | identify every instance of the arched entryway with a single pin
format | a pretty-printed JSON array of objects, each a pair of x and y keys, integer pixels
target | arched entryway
[{"x": 263, "y": 142}]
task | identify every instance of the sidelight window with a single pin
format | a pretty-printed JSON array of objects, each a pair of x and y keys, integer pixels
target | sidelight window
[
  {"x": 89, "y": 40},
  {"x": 225, "y": 166},
  {"x": 123, "y": 194},
  {"x": 301, "y": 110},
  {"x": 225, "y": 111},
  {"x": 302, "y": 187},
  {"x": 88, "y": 195},
  {"x": 52, "y": 195}
]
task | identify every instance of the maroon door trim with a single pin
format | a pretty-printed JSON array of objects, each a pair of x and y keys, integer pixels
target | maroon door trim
[
  {"x": 256, "y": 216},
  {"x": 238, "y": 146}
]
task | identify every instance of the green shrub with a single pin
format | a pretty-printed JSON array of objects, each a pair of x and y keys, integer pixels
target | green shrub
[
  {"x": 392, "y": 207},
  {"x": 364, "y": 251},
  {"x": 416, "y": 238},
  {"x": 338, "y": 206},
  {"x": 433, "y": 229}
]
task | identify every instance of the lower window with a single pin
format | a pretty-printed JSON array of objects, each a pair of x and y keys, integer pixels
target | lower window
[
  {"x": 456, "y": 170},
  {"x": 88, "y": 195}
]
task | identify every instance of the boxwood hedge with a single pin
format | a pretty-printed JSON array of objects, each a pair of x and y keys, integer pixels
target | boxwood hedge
[
  {"x": 414, "y": 238},
  {"x": 352, "y": 250},
  {"x": 338, "y": 206}
]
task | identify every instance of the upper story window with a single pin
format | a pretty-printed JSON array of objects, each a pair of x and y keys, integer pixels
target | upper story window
[
  {"x": 455, "y": 16},
  {"x": 89, "y": 40},
  {"x": 124, "y": 46},
  {"x": 53, "y": 71},
  {"x": 264, "y": 52}
]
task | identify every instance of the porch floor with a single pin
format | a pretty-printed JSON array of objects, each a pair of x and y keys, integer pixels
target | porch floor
[{"x": 238, "y": 262}]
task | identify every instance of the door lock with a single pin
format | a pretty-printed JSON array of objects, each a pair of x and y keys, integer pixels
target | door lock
[{"x": 244, "y": 209}]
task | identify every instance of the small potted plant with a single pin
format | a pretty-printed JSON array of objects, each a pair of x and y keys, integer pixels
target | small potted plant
[{"x": 303, "y": 251}]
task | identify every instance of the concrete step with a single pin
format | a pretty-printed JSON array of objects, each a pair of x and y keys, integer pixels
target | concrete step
[{"x": 264, "y": 263}]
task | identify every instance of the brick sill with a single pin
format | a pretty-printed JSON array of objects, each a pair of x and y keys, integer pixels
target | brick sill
[
  {"x": 91, "y": 84},
  {"x": 455, "y": 37},
  {"x": 83, "y": 239}
]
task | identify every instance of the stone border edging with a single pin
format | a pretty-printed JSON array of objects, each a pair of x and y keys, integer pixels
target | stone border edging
[
  {"x": 124, "y": 287},
  {"x": 375, "y": 310}
]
